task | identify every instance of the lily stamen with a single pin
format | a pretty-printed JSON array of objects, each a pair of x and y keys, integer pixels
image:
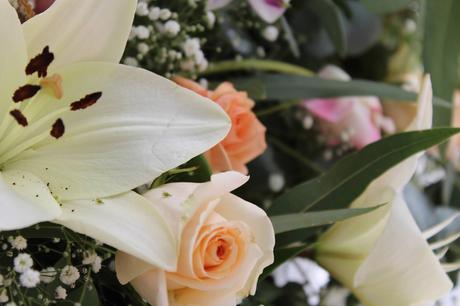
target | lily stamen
[{"x": 54, "y": 83}]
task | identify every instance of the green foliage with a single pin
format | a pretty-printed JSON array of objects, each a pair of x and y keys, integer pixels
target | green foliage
[
  {"x": 386, "y": 6},
  {"x": 441, "y": 50}
]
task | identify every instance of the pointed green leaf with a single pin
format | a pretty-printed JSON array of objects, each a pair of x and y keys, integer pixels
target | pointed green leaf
[
  {"x": 291, "y": 222},
  {"x": 349, "y": 177}
]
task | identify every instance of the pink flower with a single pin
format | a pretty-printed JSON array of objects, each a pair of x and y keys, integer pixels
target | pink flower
[
  {"x": 356, "y": 120},
  {"x": 268, "y": 10}
]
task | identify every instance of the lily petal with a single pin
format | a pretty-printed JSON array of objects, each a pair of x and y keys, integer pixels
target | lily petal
[
  {"x": 401, "y": 275},
  {"x": 24, "y": 200},
  {"x": 126, "y": 139},
  {"x": 129, "y": 267},
  {"x": 127, "y": 222},
  {"x": 13, "y": 57},
  {"x": 81, "y": 30}
]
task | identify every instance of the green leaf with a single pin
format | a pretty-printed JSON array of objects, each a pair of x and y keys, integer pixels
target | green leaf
[
  {"x": 349, "y": 177},
  {"x": 282, "y": 255},
  {"x": 386, "y": 6},
  {"x": 441, "y": 50},
  {"x": 85, "y": 294},
  {"x": 287, "y": 223},
  {"x": 289, "y": 87},
  {"x": 333, "y": 21}
]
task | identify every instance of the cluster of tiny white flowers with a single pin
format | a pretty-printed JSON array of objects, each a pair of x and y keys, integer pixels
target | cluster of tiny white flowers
[
  {"x": 159, "y": 41},
  {"x": 29, "y": 278},
  {"x": 69, "y": 275},
  {"x": 94, "y": 260}
]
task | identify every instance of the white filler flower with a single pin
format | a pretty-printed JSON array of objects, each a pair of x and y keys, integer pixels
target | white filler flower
[
  {"x": 30, "y": 278},
  {"x": 77, "y": 128},
  {"x": 22, "y": 262},
  {"x": 69, "y": 275}
]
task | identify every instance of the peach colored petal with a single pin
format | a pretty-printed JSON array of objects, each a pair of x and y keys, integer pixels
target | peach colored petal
[
  {"x": 152, "y": 287},
  {"x": 129, "y": 267},
  {"x": 189, "y": 84},
  {"x": 235, "y": 208},
  {"x": 219, "y": 160}
]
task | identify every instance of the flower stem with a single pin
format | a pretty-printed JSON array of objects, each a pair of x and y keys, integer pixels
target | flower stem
[
  {"x": 277, "y": 108},
  {"x": 255, "y": 64}
]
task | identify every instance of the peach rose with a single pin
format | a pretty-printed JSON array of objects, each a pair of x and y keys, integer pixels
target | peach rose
[
  {"x": 246, "y": 139},
  {"x": 223, "y": 245}
]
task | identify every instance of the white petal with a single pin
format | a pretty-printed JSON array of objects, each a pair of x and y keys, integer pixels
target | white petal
[
  {"x": 152, "y": 287},
  {"x": 13, "y": 58},
  {"x": 142, "y": 126},
  {"x": 81, "y": 30},
  {"x": 428, "y": 233},
  {"x": 127, "y": 222},
  {"x": 129, "y": 267},
  {"x": 269, "y": 13},
  {"x": 444, "y": 242},
  {"x": 24, "y": 201},
  {"x": 450, "y": 267},
  {"x": 216, "y": 4},
  {"x": 401, "y": 269}
]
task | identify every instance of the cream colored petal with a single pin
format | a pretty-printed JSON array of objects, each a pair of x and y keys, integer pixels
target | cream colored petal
[
  {"x": 234, "y": 208},
  {"x": 430, "y": 232},
  {"x": 129, "y": 267},
  {"x": 152, "y": 287},
  {"x": 142, "y": 126},
  {"x": 127, "y": 222},
  {"x": 401, "y": 269},
  {"x": 24, "y": 200},
  {"x": 81, "y": 30},
  {"x": 13, "y": 58}
]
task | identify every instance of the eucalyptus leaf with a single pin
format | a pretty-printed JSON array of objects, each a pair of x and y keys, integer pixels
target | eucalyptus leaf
[
  {"x": 288, "y": 87},
  {"x": 290, "y": 222},
  {"x": 386, "y": 6},
  {"x": 333, "y": 21},
  {"x": 441, "y": 50},
  {"x": 349, "y": 177}
]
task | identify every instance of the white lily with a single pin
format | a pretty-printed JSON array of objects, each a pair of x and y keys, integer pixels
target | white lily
[
  {"x": 79, "y": 131},
  {"x": 382, "y": 256}
]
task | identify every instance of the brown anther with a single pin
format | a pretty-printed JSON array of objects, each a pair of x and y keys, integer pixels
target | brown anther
[
  {"x": 54, "y": 83},
  {"x": 58, "y": 129},
  {"x": 40, "y": 63},
  {"x": 20, "y": 118},
  {"x": 87, "y": 101},
  {"x": 25, "y": 92}
]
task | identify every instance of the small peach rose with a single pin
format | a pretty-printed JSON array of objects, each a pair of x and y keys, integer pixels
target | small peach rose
[
  {"x": 246, "y": 139},
  {"x": 223, "y": 245}
]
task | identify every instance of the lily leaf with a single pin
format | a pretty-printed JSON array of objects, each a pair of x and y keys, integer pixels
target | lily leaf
[
  {"x": 349, "y": 177},
  {"x": 290, "y": 222}
]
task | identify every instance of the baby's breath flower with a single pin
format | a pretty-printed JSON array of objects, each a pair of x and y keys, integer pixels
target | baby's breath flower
[
  {"x": 143, "y": 48},
  {"x": 131, "y": 61},
  {"x": 142, "y": 32},
  {"x": 48, "y": 275},
  {"x": 142, "y": 9},
  {"x": 165, "y": 14},
  {"x": 60, "y": 293},
  {"x": 96, "y": 264},
  {"x": 3, "y": 296},
  {"x": 154, "y": 13},
  {"x": 69, "y": 275},
  {"x": 172, "y": 28},
  {"x": 11, "y": 304},
  {"x": 270, "y": 33},
  {"x": 19, "y": 243},
  {"x": 23, "y": 262},
  {"x": 191, "y": 46},
  {"x": 30, "y": 278},
  {"x": 211, "y": 19}
]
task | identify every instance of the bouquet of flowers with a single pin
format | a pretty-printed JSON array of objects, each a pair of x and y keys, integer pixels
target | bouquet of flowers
[{"x": 223, "y": 153}]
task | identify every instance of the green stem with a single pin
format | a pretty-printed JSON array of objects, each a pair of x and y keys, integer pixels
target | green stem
[
  {"x": 277, "y": 108},
  {"x": 294, "y": 154},
  {"x": 254, "y": 64}
]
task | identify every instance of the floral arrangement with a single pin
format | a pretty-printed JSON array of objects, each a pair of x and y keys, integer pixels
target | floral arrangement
[{"x": 223, "y": 153}]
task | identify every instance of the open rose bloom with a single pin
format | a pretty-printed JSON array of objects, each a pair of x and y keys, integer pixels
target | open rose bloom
[
  {"x": 246, "y": 139},
  {"x": 223, "y": 244},
  {"x": 359, "y": 120}
]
